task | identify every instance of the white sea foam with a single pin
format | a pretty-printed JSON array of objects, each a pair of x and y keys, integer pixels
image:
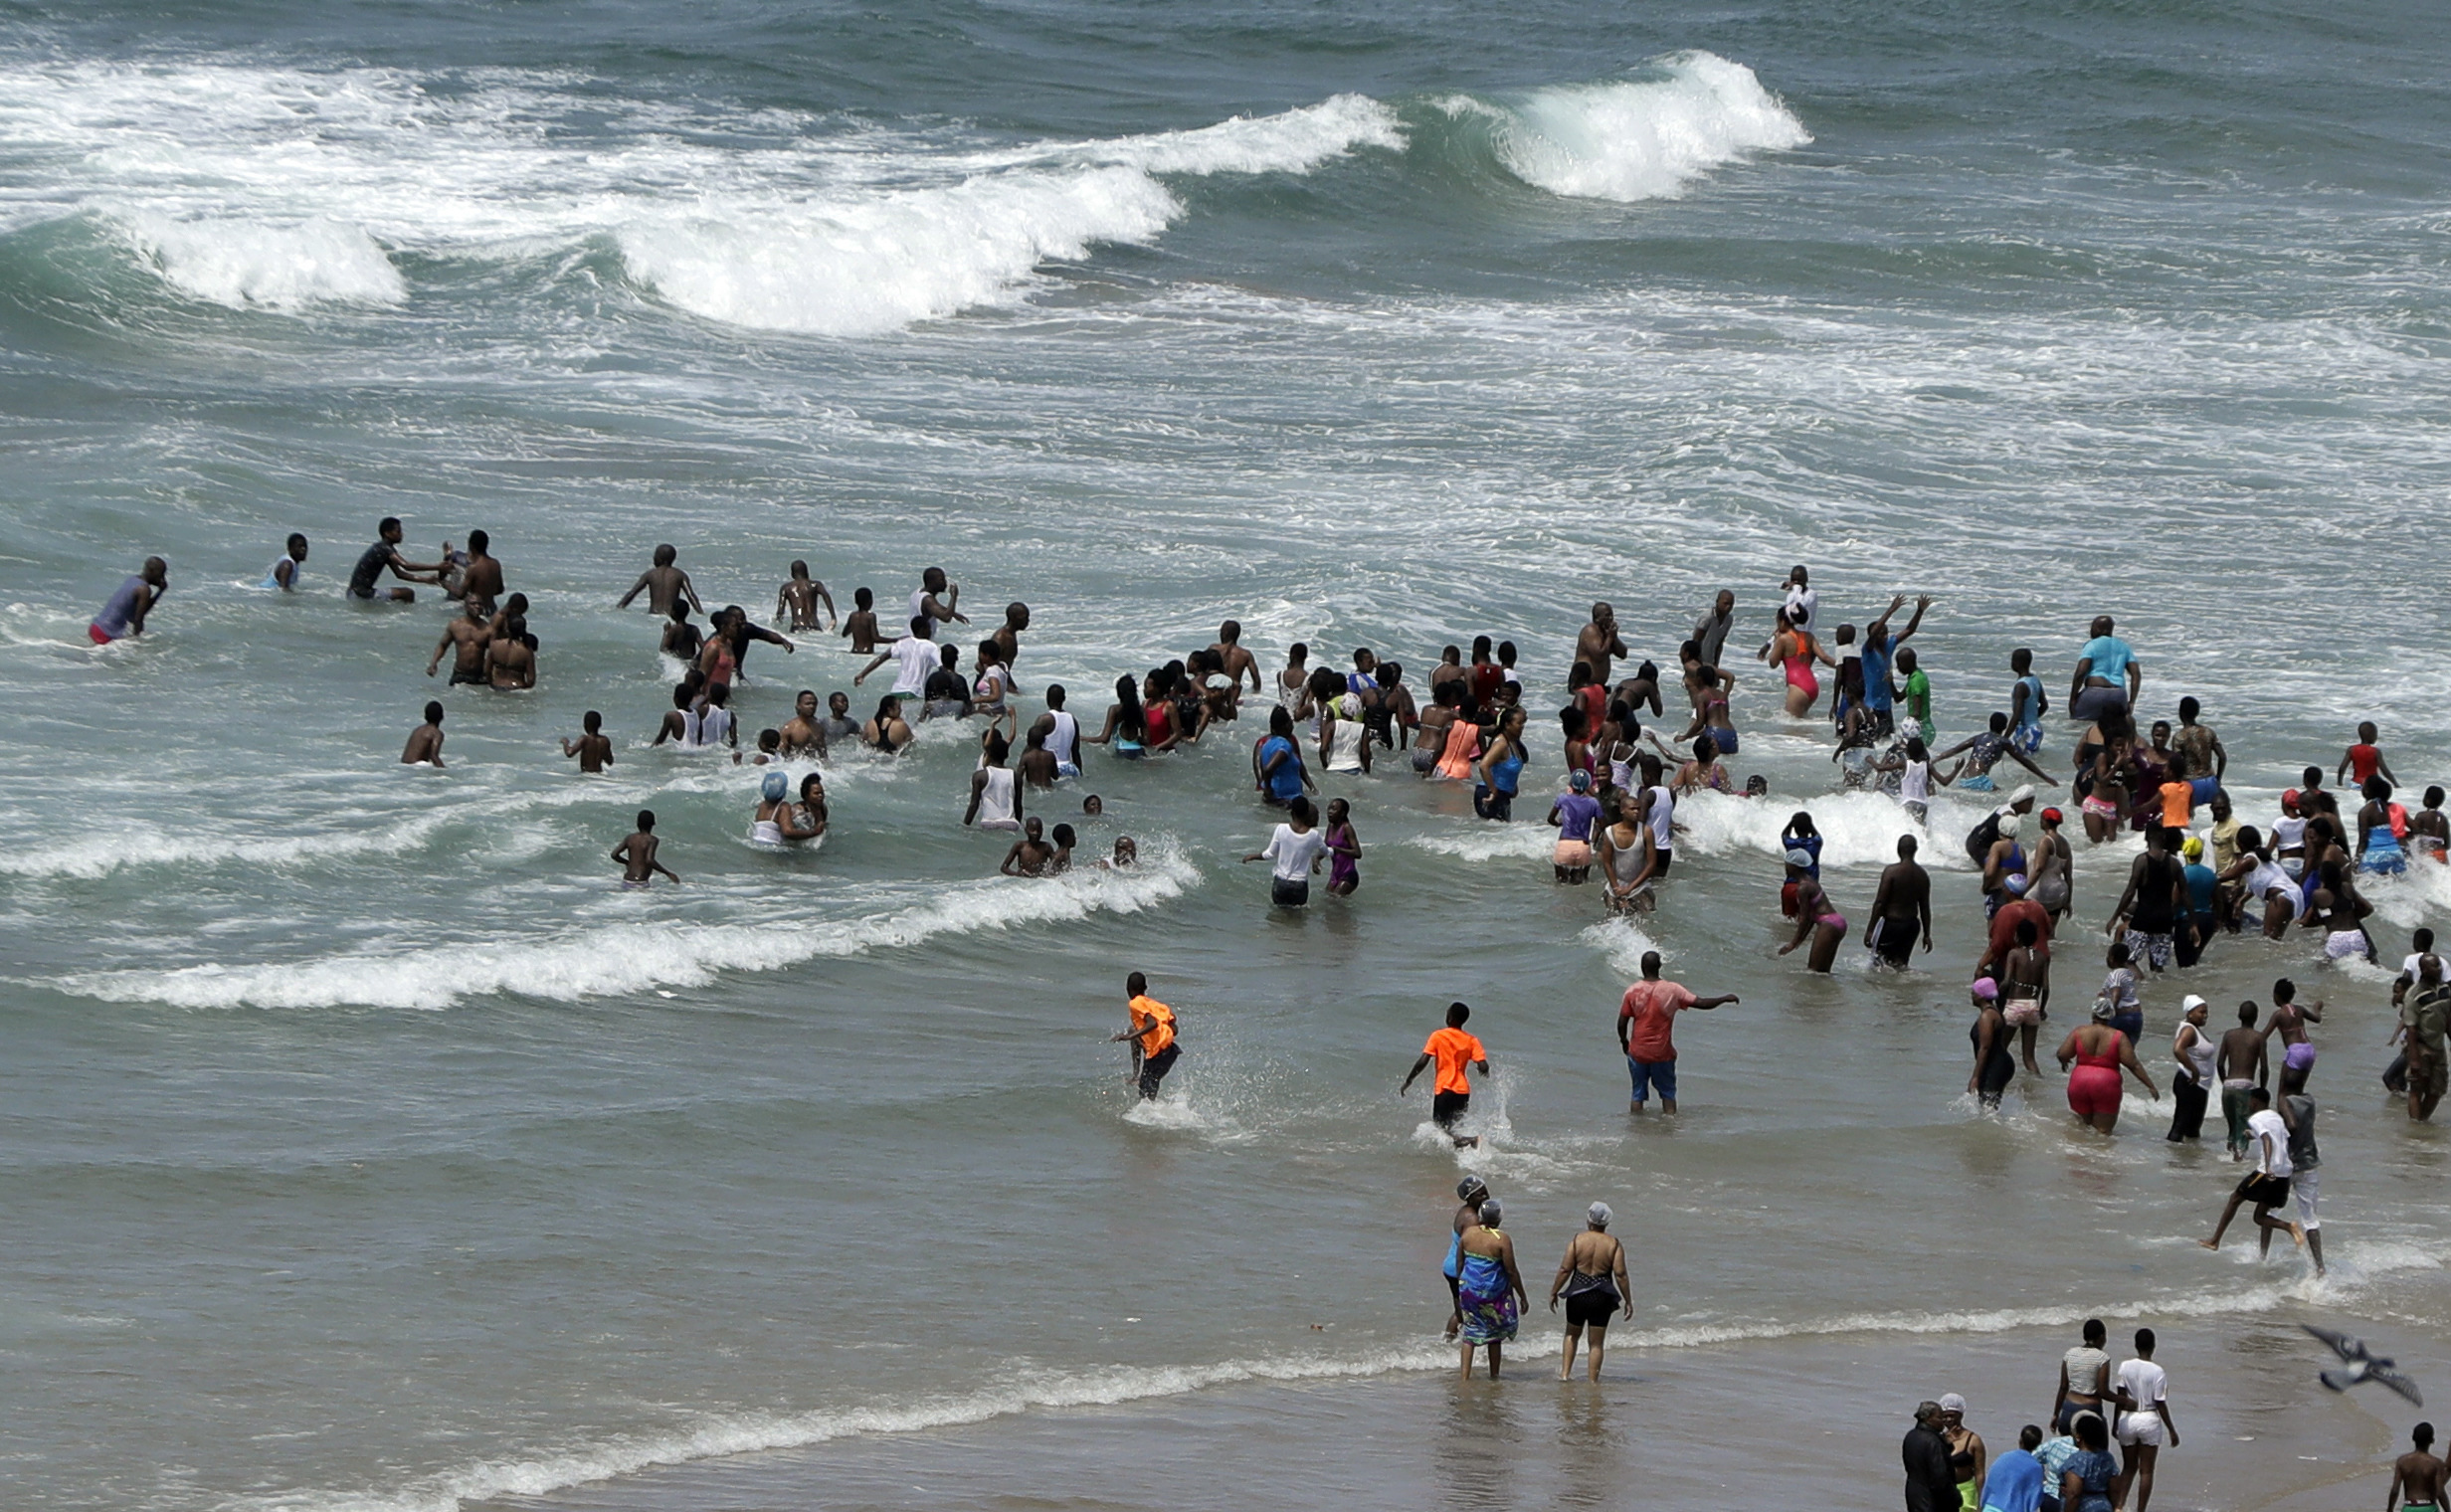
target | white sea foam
[
  {"x": 1484, "y": 841},
  {"x": 1857, "y": 829},
  {"x": 282, "y": 188},
  {"x": 1625, "y": 944},
  {"x": 242, "y": 263},
  {"x": 1645, "y": 139},
  {"x": 629, "y": 958}
]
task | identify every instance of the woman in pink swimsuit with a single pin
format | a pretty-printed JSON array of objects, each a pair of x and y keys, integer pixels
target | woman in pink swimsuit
[
  {"x": 1796, "y": 650},
  {"x": 2099, "y": 1052}
]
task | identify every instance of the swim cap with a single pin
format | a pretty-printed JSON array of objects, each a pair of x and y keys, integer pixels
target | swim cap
[
  {"x": 2104, "y": 1007},
  {"x": 2010, "y": 824},
  {"x": 2024, "y": 794},
  {"x": 1468, "y": 1187},
  {"x": 2289, "y": 798},
  {"x": 1984, "y": 987},
  {"x": 1491, "y": 1212},
  {"x": 1581, "y": 780},
  {"x": 1953, "y": 1402},
  {"x": 2189, "y": 1004},
  {"x": 2015, "y": 883},
  {"x": 1599, "y": 1215},
  {"x": 2052, "y": 815},
  {"x": 1799, "y": 858},
  {"x": 775, "y": 785},
  {"x": 2192, "y": 848}
]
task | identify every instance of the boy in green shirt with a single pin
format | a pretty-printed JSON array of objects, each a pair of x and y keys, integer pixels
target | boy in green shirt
[{"x": 1918, "y": 694}]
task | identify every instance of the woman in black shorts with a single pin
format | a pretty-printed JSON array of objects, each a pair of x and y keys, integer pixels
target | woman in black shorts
[{"x": 1592, "y": 1279}]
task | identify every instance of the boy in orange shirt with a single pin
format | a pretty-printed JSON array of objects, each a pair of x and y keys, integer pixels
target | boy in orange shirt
[
  {"x": 1454, "y": 1051},
  {"x": 1152, "y": 1032}
]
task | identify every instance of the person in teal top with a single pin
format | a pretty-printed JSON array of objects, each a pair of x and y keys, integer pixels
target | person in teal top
[{"x": 2107, "y": 676}]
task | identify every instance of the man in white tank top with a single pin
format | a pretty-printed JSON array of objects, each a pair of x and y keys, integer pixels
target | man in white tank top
[{"x": 1061, "y": 733}]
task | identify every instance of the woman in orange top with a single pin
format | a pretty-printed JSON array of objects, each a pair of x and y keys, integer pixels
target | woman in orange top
[{"x": 1463, "y": 748}]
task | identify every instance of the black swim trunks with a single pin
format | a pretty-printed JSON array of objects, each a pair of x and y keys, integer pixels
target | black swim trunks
[
  {"x": 1289, "y": 893},
  {"x": 1593, "y": 1307},
  {"x": 1446, "y": 1107},
  {"x": 1153, "y": 1070},
  {"x": 1893, "y": 940},
  {"x": 2264, "y": 1191}
]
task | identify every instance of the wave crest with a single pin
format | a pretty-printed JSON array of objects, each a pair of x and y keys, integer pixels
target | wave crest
[{"x": 1644, "y": 139}]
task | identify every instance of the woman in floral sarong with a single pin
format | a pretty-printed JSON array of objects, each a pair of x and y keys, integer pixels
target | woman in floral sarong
[{"x": 1488, "y": 1290}]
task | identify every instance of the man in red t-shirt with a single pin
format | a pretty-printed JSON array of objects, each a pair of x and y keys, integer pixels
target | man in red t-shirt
[
  {"x": 1645, "y": 1018},
  {"x": 1454, "y": 1051}
]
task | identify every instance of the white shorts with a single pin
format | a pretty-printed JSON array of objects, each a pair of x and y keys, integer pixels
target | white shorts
[
  {"x": 2140, "y": 1429},
  {"x": 2302, "y": 1185}
]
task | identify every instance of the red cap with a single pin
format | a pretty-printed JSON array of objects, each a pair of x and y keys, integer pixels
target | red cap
[
  {"x": 2052, "y": 815},
  {"x": 2289, "y": 798}
]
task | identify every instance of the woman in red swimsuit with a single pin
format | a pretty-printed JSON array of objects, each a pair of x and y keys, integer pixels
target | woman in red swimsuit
[{"x": 2099, "y": 1052}]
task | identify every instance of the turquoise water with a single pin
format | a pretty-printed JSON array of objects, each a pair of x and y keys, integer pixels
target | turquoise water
[{"x": 365, "y": 1147}]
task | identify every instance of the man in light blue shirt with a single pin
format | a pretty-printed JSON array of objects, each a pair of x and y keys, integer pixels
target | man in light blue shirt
[
  {"x": 1880, "y": 650},
  {"x": 2107, "y": 679}
]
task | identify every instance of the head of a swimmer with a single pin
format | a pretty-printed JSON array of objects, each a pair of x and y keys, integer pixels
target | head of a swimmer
[
  {"x": 434, "y": 711},
  {"x": 998, "y": 748},
  {"x": 811, "y": 788},
  {"x": 1016, "y": 616},
  {"x": 933, "y": 580},
  {"x": 665, "y": 556},
  {"x": 1035, "y": 828},
  {"x": 1603, "y": 611},
  {"x": 2103, "y": 625},
  {"x": 1136, "y": 986},
  {"x": 1650, "y": 965},
  {"x": 1906, "y": 848},
  {"x": 1456, "y": 1014}
]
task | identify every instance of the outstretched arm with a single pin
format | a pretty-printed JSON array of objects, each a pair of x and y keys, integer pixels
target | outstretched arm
[
  {"x": 1417, "y": 1066},
  {"x": 635, "y": 589}
]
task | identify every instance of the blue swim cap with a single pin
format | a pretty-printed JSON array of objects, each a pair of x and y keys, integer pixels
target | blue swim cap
[
  {"x": 776, "y": 784},
  {"x": 1581, "y": 780}
]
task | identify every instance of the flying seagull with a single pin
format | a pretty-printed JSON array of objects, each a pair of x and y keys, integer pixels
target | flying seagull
[{"x": 2362, "y": 1365}]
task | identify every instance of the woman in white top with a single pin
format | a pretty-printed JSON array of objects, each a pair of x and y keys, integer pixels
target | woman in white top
[
  {"x": 1915, "y": 780},
  {"x": 991, "y": 687},
  {"x": 766, "y": 826},
  {"x": 1344, "y": 740},
  {"x": 1293, "y": 853},
  {"x": 2194, "y": 1050},
  {"x": 994, "y": 798}
]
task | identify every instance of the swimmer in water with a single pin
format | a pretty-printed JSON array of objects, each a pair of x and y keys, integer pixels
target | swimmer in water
[
  {"x": 1456, "y": 1052},
  {"x": 798, "y": 599},
  {"x": 1065, "y": 838},
  {"x": 124, "y": 615},
  {"x": 466, "y": 638},
  {"x": 1901, "y": 909},
  {"x": 1818, "y": 919},
  {"x": 426, "y": 741},
  {"x": 283, "y": 574},
  {"x": 1031, "y": 855},
  {"x": 666, "y": 587},
  {"x": 594, "y": 748},
  {"x": 995, "y": 795},
  {"x": 511, "y": 658},
  {"x": 1008, "y": 635},
  {"x": 803, "y": 734},
  {"x": 806, "y": 819},
  {"x": 1152, "y": 1032},
  {"x": 774, "y": 807},
  {"x": 681, "y": 638},
  {"x": 1576, "y": 816},
  {"x": 889, "y": 733},
  {"x": 861, "y": 624},
  {"x": 1126, "y": 852},
  {"x": 638, "y": 854},
  {"x": 1232, "y": 660},
  {"x": 483, "y": 582},
  {"x": 384, "y": 556}
]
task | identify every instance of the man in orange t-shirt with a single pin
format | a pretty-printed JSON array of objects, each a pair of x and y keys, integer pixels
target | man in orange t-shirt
[
  {"x": 1152, "y": 1032},
  {"x": 1645, "y": 1018},
  {"x": 1454, "y": 1051}
]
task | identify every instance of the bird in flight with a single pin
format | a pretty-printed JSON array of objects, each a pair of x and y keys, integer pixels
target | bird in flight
[{"x": 2362, "y": 1365}]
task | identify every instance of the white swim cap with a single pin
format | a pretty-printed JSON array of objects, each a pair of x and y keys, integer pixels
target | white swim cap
[
  {"x": 1599, "y": 1215},
  {"x": 1799, "y": 858}
]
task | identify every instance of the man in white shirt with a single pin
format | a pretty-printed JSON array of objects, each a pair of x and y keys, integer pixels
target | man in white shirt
[
  {"x": 2145, "y": 1424},
  {"x": 914, "y": 657},
  {"x": 2266, "y": 1186},
  {"x": 1293, "y": 853}
]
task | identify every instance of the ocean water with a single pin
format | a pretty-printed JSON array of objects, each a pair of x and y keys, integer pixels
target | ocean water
[{"x": 364, "y": 1147}]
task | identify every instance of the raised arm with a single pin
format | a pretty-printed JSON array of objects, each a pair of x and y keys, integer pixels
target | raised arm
[{"x": 635, "y": 589}]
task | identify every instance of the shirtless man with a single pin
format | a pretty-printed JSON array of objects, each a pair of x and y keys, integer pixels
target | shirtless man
[
  {"x": 2198, "y": 742},
  {"x": 665, "y": 586},
  {"x": 483, "y": 582},
  {"x": 680, "y": 638},
  {"x": 1031, "y": 855},
  {"x": 1037, "y": 767},
  {"x": 797, "y": 599},
  {"x": 384, "y": 555},
  {"x": 2289, "y": 1020},
  {"x": 1901, "y": 909},
  {"x": 937, "y": 599},
  {"x": 1395, "y": 715},
  {"x": 1007, "y": 637},
  {"x": 511, "y": 658},
  {"x": 802, "y": 734},
  {"x": 426, "y": 741},
  {"x": 465, "y": 639},
  {"x": 861, "y": 624},
  {"x": 595, "y": 748},
  {"x": 2239, "y": 1062},
  {"x": 638, "y": 854},
  {"x": 1235, "y": 662},
  {"x": 2416, "y": 1476},
  {"x": 1594, "y": 648}
]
